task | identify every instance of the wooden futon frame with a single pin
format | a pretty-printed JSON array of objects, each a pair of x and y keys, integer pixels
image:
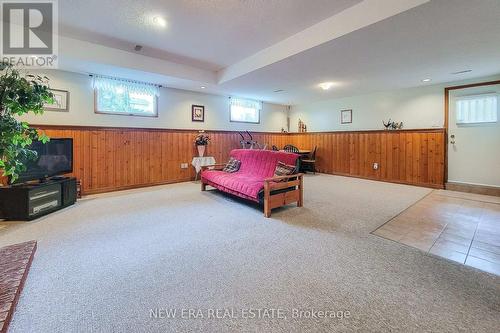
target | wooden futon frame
[{"x": 278, "y": 191}]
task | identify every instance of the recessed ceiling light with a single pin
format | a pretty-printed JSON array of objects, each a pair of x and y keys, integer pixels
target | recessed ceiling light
[
  {"x": 426, "y": 80},
  {"x": 326, "y": 85},
  {"x": 202, "y": 87},
  {"x": 160, "y": 21}
]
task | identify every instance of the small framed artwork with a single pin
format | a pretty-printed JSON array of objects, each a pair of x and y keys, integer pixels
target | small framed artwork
[
  {"x": 60, "y": 103},
  {"x": 198, "y": 113},
  {"x": 346, "y": 116}
]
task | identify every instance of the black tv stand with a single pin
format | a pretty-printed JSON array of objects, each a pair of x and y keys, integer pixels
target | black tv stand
[
  {"x": 53, "y": 178},
  {"x": 29, "y": 201}
]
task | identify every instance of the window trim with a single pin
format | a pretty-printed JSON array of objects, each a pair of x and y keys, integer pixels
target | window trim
[
  {"x": 245, "y": 122},
  {"x": 130, "y": 114}
]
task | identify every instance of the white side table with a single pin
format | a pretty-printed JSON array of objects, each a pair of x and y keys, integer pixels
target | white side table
[{"x": 198, "y": 162}]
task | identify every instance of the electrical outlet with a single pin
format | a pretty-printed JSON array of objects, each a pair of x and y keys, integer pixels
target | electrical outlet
[
  {"x": 375, "y": 166},
  {"x": 184, "y": 165}
]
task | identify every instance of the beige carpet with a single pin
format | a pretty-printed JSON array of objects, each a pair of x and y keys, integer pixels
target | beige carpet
[{"x": 102, "y": 265}]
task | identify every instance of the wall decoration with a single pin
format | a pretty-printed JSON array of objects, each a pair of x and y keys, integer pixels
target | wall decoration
[
  {"x": 61, "y": 101},
  {"x": 392, "y": 125},
  {"x": 302, "y": 126},
  {"x": 198, "y": 113},
  {"x": 346, "y": 116}
]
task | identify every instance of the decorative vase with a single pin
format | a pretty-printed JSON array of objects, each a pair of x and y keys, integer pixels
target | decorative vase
[{"x": 201, "y": 150}]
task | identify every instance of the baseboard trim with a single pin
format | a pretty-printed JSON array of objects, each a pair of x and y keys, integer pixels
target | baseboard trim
[
  {"x": 393, "y": 181},
  {"x": 132, "y": 187},
  {"x": 473, "y": 188}
]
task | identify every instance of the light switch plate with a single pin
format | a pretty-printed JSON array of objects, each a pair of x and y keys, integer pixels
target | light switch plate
[{"x": 184, "y": 165}]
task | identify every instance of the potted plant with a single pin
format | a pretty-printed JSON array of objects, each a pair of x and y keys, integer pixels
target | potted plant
[
  {"x": 19, "y": 94},
  {"x": 201, "y": 142}
]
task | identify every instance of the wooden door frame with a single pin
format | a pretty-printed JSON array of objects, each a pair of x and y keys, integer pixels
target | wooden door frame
[{"x": 447, "y": 113}]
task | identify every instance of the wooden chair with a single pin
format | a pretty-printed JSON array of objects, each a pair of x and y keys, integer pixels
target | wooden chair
[
  {"x": 291, "y": 149},
  {"x": 309, "y": 163}
]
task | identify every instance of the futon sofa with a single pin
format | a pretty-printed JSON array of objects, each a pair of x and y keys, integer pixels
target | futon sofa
[{"x": 255, "y": 178}]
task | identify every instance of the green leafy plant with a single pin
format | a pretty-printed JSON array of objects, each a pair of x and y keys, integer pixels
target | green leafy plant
[{"x": 19, "y": 95}]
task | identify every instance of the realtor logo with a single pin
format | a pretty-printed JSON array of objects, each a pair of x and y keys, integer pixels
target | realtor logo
[{"x": 29, "y": 33}]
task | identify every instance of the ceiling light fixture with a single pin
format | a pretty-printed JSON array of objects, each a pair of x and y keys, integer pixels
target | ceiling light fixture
[
  {"x": 202, "y": 87},
  {"x": 426, "y": 80},
  {"x": 326, "y": 85},
  {"x": 160, "y": 21}
]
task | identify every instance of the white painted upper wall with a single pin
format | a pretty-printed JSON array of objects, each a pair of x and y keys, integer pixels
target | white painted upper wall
[
  {"x": 420, "y": 107},
  {"x": 174, "y": 109}
]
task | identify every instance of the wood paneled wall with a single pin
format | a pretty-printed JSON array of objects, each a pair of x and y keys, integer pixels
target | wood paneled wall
[
  {"x": 408, "y": 156},
  {"x": 108, "y": 159}
]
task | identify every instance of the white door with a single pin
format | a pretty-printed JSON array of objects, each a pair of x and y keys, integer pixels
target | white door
[{"x": 473, "y": 146}]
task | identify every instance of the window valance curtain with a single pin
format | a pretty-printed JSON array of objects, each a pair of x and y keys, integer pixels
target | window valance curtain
[
  {"x": 129, "y": 87},
  {"x": 246, "y": 103}
]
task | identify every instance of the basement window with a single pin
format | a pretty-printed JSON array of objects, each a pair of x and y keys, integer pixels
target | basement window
[
  {"x": 244, "y": 110},
  {"x": 476, "y": 109},
  {"x": 123, "y": 97}
]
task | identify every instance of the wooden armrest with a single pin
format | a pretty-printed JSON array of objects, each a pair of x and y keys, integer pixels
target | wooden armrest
[
  {"x": 215, "y": 166},
  {"x": 280, "y": 178},
  {"x": 283, "y": 198}
]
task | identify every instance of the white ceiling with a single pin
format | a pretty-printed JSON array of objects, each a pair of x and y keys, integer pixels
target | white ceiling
[
  {"x": 430, "y": 41},
  {"x": 380, "y": 51},
  {"x": 210, "y": 34}
]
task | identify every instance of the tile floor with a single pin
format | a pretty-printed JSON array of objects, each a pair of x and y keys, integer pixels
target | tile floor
[{"x": 463, "y": 227}]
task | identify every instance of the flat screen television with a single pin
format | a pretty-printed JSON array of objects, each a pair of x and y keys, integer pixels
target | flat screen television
[{"x": 53, "y": 158}]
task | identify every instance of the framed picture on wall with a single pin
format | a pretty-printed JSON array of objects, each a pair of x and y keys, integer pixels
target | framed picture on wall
[
  {"x": 346, "y": 116},
  {"x": 60, "y": 103},
  {"x": 198, "y": 113}
]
